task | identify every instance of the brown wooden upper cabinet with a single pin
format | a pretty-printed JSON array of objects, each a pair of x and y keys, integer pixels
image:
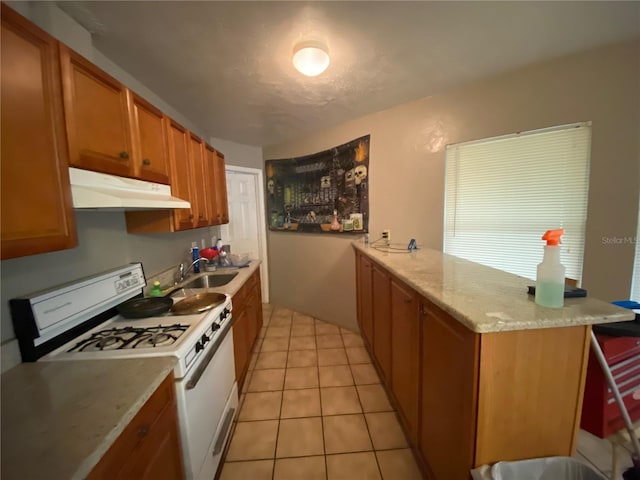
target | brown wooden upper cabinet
[
  {"x": 197, "y": 170},
  {"x": 198, "y": 181},
  {"x": 180, "y": 174},
  {"x": 220, "y": 187},
  {"x": 37, "y": 209},
  {"x": 97, "y": 116},
  {"x": 211, "y": 191},
  {"x": 149, "y": 138}
]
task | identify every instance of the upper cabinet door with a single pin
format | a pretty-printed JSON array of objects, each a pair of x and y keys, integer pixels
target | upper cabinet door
[
  {"x": 180, "y": 173},
  {"x": 37, "y": 212},
  {"x": 210, "y": 159},
  {"x": 222, "y": 202},
  {"x": 97, "y": 116},
  {"x": 199, "y": 181},
  {"x": 149, "y": 138}
]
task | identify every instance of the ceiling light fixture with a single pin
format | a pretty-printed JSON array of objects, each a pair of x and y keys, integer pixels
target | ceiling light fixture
[{"x": 311, "y": 58}]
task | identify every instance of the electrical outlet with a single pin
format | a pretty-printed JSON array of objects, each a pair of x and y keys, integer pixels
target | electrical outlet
[{"x": 386, "y": 235}]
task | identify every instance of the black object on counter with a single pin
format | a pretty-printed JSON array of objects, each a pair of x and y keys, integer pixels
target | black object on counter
[{"x": 569, "y": 291}]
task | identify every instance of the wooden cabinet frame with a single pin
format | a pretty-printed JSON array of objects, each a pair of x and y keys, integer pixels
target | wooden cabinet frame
[{"x": 37, "y": 208}]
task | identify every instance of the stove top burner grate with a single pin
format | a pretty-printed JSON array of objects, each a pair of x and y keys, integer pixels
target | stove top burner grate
[{"x": 130, "y": 338}]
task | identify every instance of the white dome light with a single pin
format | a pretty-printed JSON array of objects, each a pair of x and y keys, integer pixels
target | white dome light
[{"x": 310, "y": 58}]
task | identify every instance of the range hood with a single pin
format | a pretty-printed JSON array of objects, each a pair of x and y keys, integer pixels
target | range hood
[{"x": 99, "y": 190}]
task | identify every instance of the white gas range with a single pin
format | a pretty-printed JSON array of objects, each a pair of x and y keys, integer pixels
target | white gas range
[{"x": 79, "y": 321}]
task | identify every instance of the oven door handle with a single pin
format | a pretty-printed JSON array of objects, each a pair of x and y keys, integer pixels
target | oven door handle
[{"x": 193, "y": 381}]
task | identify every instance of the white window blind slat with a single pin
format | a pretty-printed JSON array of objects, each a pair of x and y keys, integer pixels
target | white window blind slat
[{"x": 502, "y": 194}]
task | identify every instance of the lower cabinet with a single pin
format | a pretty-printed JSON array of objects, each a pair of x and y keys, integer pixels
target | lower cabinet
[
  {"x": 149, "y": 447},
  {"x": 405, "y": 351},
  {"x": 467, "y": 399},
  {"x": 365, "y": 298},
  {"x": 447, "y": 386},
  {"x": 247, "y": 322},
  {"x": 382, "y": 319}
]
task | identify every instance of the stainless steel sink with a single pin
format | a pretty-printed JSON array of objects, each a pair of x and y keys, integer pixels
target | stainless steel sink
[{"x": 209, "y": 281}]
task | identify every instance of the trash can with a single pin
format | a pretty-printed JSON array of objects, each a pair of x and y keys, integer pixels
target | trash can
[{"x": 549, "y": 468}]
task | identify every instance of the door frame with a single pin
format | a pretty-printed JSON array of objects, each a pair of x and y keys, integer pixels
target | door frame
[{"x": 262, "y": 226}]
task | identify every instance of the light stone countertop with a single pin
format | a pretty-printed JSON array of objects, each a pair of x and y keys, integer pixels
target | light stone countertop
[
  {"x": 59, "y": 418},
  {"x": 485, "y": 299}
]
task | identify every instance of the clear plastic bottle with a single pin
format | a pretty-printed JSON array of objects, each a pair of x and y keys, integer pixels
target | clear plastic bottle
[{"x": 550, "y": 273}]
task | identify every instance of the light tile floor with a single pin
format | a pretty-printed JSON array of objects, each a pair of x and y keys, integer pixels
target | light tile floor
[
  {"x": 597, "y": 453},
  {"x": 312, "y": 407}
]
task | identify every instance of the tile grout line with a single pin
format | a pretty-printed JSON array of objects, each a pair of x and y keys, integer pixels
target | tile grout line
[
  {"x": 373, "y": 448},
  {"x": 275, "y": 449},
  {"x": 250, "y": 376},
  {"x": 324, "y": 443}
]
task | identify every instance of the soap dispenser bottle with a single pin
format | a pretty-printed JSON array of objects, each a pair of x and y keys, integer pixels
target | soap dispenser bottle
[
  {"x": 550, "y": 273},
  {"x": 156, "y": 291}
]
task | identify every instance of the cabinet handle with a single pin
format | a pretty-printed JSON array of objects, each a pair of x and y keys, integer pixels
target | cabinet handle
[
  {"x": 146, "y": 161},
  {"x": 201, "y": 216},
  {"x": 123, "y": 155},
  {"x": 143, "y": 430},
  {"x": 191, "y": 216}
]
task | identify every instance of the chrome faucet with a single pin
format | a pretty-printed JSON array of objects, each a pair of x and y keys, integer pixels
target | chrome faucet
[{"x": 183, "y": 272}]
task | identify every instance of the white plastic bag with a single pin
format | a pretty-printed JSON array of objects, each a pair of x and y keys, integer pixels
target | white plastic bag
[{"x": 549, "y": 468}]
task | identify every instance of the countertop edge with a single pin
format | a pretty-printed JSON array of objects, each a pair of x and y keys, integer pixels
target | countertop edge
[{"x": 498, "y": 326}]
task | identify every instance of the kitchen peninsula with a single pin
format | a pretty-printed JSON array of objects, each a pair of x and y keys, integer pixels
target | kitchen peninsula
[{"x": 479, "y": 372}]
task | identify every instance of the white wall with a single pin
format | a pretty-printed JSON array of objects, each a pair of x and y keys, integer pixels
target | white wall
[
  {"x": 315, "y": 273},
  {"x": 238, "y": 154}
]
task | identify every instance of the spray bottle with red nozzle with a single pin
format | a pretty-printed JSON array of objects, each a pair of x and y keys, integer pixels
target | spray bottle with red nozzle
[{"x": 550, "y": 274}]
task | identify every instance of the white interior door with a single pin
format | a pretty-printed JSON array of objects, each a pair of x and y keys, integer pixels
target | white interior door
[{"x": 246, "y": 229}]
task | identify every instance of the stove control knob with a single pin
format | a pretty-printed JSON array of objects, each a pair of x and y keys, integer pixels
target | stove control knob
[
  {"x": 214, "y": 327},
  {"x": 204, "y": 339},
  {"x": 199, "y": 347}
]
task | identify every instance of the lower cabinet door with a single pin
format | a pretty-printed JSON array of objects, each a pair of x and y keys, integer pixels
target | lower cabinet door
[
  {"x": 241, "y": 352},
  {"x": 382, "y": 321},
  {"x": 159, "y": 458},
  {"x": 365, "y": 299},
  {"x": 449, "y": 380},
  {"x": 405, "y": 348},
  {"x": 149, "y": 447}
]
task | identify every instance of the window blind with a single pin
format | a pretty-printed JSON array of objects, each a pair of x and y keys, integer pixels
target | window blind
[
  {"x": 503, "y": 193},
  {"x": 635, "y": 282}
]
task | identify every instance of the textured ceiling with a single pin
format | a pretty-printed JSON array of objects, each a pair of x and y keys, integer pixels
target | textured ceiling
[{"x": 227, "y": 65}]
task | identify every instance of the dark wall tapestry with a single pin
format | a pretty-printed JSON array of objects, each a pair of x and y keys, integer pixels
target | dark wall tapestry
[{"x": 323, "y": 192}]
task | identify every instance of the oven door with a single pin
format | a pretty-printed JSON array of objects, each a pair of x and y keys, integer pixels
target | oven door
[{"x": 207, "y": 402}]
